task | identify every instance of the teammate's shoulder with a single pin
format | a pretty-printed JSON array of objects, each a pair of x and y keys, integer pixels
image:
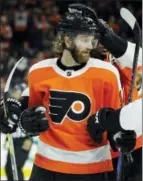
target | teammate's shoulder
[
  {"x": 98, "y": 63},
  {"x": 43, "y": 64}
]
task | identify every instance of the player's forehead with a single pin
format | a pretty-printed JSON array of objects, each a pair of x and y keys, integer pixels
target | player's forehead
[{"x": 85, "y": 36}]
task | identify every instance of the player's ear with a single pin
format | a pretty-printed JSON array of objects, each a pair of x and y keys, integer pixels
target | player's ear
[{"x": 68, "y": 42}]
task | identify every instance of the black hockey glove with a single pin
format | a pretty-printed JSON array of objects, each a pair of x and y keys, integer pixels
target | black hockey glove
[
  {"x": 110, "y": 40},
  {"x": 109, "y": 119},
  {"x": 33, "y": 121},
  {"x": 126, "y": 140},
  {"x": 94, "y": 129},
  {"x": 9, "y": 123}
]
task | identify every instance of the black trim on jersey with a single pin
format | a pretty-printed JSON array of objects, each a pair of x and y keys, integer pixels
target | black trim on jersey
[{"x": 63, "y": 67}]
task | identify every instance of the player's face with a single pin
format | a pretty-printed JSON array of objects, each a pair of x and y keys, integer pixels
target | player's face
[{"x": 84, "y": 45}]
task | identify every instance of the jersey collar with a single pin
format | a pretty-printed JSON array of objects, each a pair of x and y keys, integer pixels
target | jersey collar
[{"x": 64, "y": 68}]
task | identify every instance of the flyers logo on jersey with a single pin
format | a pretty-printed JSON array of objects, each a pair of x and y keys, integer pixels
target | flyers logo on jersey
[{"x": 74, "y": 105}]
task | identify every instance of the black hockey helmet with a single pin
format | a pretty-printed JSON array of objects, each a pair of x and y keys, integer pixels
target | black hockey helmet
[{"x": 76, "y": 21}]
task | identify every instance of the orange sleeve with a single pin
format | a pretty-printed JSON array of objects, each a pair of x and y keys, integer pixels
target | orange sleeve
[
  {"x": 126, "y": 74},
  {"x": 35, "y": 98},
  {"x": 112, "y": 92}
]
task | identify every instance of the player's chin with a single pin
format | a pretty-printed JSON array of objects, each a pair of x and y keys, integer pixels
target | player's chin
[{"x": 84, "y": 59}]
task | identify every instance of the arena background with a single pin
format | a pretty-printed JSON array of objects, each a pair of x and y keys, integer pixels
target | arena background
[{"x": 27, "y": 29}]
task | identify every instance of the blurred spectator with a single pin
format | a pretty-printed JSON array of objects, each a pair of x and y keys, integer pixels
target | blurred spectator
[
  {"x": 29, "y": 4},
  {"x": 113, "y": 23},
  {"x": 45, "y": 32},
  {"x": 5, "y": 34},
  {"x": 27, "y": 51},
  {"x": 20, "y": 23},
  {"x": 4, "y": 61},
  {"x": 47, "y": 6},
  {"x": 54, "y": 17},
  {"x": 39, "y": 56}
]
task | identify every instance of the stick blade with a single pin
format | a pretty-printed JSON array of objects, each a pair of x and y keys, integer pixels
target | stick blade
[
  {"x": 128, "y": 17},
  {"x": 11, "y": 74}
]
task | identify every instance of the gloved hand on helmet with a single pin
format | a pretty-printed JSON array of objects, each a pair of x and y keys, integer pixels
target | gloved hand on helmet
[{"x": 111, "y": 41}]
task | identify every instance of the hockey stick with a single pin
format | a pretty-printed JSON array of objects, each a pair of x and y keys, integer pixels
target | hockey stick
[
  {"x": 132, "y": 22},
  {"x": 10, "y": 139}
]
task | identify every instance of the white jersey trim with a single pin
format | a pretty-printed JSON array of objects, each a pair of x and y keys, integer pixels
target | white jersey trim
[
  {"x": 44, "y": 63},
  {"x": 25, "y": 92},
  {"x": 79, "y": 157},
  {"x": 106, "y": 65},
  {"x": 91, "y": 63},
  {"x": 126, "y": 60}
]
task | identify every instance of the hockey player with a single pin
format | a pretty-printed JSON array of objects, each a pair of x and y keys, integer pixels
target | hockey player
[
  {"x": 66, "y": 151},
  {"x": 22, "y": 143},
  {"x": 125, "y": 76},
  {"x": 69, "y": 89},
  {"x": 132, "y": 169}
]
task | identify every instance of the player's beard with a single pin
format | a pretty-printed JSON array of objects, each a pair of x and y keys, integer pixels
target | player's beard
[
  {"x": 83, "y": 57},
  {"x": 80, "y": 57}
]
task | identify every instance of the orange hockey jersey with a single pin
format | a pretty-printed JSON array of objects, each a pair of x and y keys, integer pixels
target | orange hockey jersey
[{"x": 70, "y": 96}]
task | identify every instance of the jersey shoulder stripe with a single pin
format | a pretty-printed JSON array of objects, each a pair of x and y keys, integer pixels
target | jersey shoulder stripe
[
  {"x": 102, "y": 64},
  {"x": 107, "y": 66},
  {"x": 44, "y": 64}
]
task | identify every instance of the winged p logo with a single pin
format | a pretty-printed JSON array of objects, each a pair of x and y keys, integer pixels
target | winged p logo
[{"x": 74, "y": 105}]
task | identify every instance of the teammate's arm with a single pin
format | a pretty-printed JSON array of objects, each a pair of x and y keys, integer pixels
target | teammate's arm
[
  {"x": 123, "y": 51},
  {"x": 14, "y": 109},
  {"x": 30, "y": 121},
  {"x": 127, "y": 118},
  {"x": 118, "y": 47},
  {"x": 111, "y": 97}
]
